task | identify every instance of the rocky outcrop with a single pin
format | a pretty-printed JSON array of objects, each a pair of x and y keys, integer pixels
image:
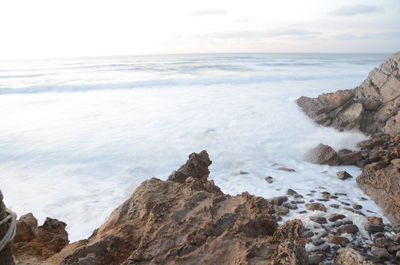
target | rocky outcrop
[
  {"x": 34, "y": 244},
  {"x": 371, "y": 107},
  {"x": 6, "y": 257},
  {"x": 189, "y": 220}
]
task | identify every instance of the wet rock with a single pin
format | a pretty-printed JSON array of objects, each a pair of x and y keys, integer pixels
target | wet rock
[
  {"x": 356, "y": 206},
  {"x": 278, "y": 200},
  {"x": 316, "y": 206},
  {"x": 291, "y": 192},
  {"x": 371, "y": 228},
  {"x": 322, "y": 154},
  {"x": 318, "y": 219},
  {"x": 347, "y": 157},
  {"x": 334, "y": 217},
  {"x": 349, "y": 228},
  {"x": 26, "y": 228},
  {"x": 375, "y": 220},
  {"x": 343, "y": 175},
  {"x": 175, "y": 221},
  {"x": 336, "y": 206},
  {"x": 380, "y": 253},
  {"x": 269, "y": 179},
  {"x": 318, "y": 241},
  {"x": 339, "y": 240},
  {"x": 243, "y": 173},
  {"x": 286, "y": 169},
  {"x": 315, "y": 259},
  {"x": 322, "y": 248}
]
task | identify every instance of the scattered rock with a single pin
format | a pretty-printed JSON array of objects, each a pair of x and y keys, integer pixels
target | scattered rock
[
  {"x": 243, "y": 173},
  {"x": 315, "y": 259},
  {"x": 350, "y": 256},
  {"x": 322, "y": 154},
  {"x": 316, "y": 206},
  {"x": 380, "y": 253},
  {"x": 291, "y": 192},
  {"x": 334, "y": 217},
  {"x": 343, "y": 175},
  {"x": 269, "y": 179},
  {"x": 339, "y": 240},
  {"x": 347, "y": 157},
  {"x": 371, "y": 228},
  {"x": 348, "y": 228},
  {"x": 375, "y": 220},
  {"x": 318, "y": 219}
]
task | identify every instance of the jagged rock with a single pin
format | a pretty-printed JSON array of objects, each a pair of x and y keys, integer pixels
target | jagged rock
[
  {"x": 371, "y": 107},
  {"x": 383, "y": 185},
  {"x": 318, "y": 219},
  {"x": 348, "y": 228},
  {"x": 6, "y": 257},
  {"x": 343, "y": 175},
  {"x": 375, "y": 220},
  {"x": 38, "y": 242},
  {"x": 188, "y": 220},
  {"x": 381, "y": 253},
  {"x": 322, "y": 154},
  {"x": 372, "y": 228},
  {"x": 339, "y": 240},
  {"x": 348, "y": 157}
]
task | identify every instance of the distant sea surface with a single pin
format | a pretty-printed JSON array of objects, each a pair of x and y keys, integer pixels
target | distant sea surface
[{"x": 78, "y": 135}]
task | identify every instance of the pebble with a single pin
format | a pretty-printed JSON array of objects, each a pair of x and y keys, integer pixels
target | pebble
[
  {"x": 334, "y": 217},
  {"x": 356, "y": 206},
  {"x": 318, "y": 219},
  {"x": 318, "y": 241},
  {"x": 315, "y": 259},
  {"x": 343, "y": 175},
  {"x": 345, "y": 203},
  {"x": 243, "y": 173},
  {"x": 291, "y": 192},
  {"x": 290, "y": 206},
  {"x": 339, "y": 240},
  {"x": 375, "y": 220},
  {"x": 334, "y": 206},
  {"x": 348, "y": 228},
  {"x": 374, "y": 228},
  {"x": 309, "y": 234},
  {"x": 316, "y": 207},
  {"x": 269, "y": 179}
]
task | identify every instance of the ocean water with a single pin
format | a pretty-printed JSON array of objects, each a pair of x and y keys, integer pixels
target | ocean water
[{"x": 78, "y": 135}]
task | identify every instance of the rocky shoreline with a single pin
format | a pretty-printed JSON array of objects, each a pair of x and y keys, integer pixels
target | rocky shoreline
[{"x": 187, "y": 219}]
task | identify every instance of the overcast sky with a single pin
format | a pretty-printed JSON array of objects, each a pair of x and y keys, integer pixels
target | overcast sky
[{"x": 64, "y": 28}]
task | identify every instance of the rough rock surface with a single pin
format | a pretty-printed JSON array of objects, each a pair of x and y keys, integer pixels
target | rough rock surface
[
  {"x": 33, "y": 243},
  {"x": 322, "y": 154},
  {"x": 371, "y": 107},
  {"x": 188, "y": 220}
]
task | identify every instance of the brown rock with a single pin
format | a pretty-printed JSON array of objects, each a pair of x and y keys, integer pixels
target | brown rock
[
  {"x": 188, "y": 220},
  {"x": 350, "y": 229},
  {"x": 343, "y": 175},
  {"x": 383, "y": 186},
  {"x": 322, "y": 154},
  {"x": 316, "y": 206},
  {"x": 26, "y": 228},
  {"x": 375, "y": 220},
  {"x": 350, "y": 256},
  {"x": 347, "y": 157},
  {"x": 339, "y": 240},
  {"x": 334, "y": 217}
]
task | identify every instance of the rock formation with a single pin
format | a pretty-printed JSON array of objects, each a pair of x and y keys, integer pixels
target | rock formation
[
  {"x": 373, "y": 108},
  {"x": 185, "y": 220}
]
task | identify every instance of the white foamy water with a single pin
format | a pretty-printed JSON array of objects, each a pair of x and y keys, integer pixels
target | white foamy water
[{"x": 78, "y": 135}]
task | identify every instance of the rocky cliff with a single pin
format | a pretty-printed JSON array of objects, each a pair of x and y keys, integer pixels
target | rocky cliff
[{"x": 373, "y": 108}]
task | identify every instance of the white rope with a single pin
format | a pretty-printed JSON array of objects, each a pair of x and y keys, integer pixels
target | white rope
[{"x": 11, "y": 218}]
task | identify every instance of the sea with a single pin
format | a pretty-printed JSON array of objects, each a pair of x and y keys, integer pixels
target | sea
[{"x": 78, "y": 135}]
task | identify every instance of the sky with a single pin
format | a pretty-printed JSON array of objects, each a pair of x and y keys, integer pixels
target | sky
[{"x": 74, "y": 28}]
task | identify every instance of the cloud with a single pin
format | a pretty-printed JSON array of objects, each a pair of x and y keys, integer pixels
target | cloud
[
  {"x": 239, "y": 34},
  {"x": 347, "y": 11},
  {"x": 374, "y": 35},
  {"x": 208, "y": 11}
]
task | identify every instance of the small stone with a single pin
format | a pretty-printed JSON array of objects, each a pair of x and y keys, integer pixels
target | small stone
[
  {"x": 339, "y": 240},
  {"x": 334, "y": 217},
  {"x": 323, "y": 200},
  {"x": 298, "y": 196},
  {"x": 337, "y": 224},
  {"x": 345, "y": 203},
  {"x": 356, "y": 206},
  {"x": 323, "y": 248},
  {"x": 290, "y": 206},
  {"x": 316, "y": 207},
  {"x": 269, "y": 179},
  {"x": 318, "y": 241},
  {"x": 309, "y": 234},
  {"x": 362, "y": 199},
  {"x": 243, "y": 173},
  {"x": 318, "y": 219},
  {"x": 336, "y": 206},
  {"x": 302, "y": 212},
  {"x": 278, "y": 200},
  {"x": 348, "y": 222},
  {"x": 340, "y": 194},
  {"x": 322, "y": 234},
  {"x": 315, "y": 259},
  {"x": 334, "y": 197},
  {"x": 381, "y": 242},
  {"x": 350, "y": 229},
  {"x": 393, "y": 248},
  {"x": 281, "y": 211},
  {"x": 286, "y": 169},
  {"x": 375, "y": 220},
  {"x": 343, "y": 175},
  {"x": 380, "y": 253},
  {"x": 291, "y": 192},
  {"x": 371, "y": 228}
]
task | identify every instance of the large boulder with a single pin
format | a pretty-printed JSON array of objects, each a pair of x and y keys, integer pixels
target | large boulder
[
  {"x": 322, "y": 154},
  {"x": 189, "y": 220}
]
